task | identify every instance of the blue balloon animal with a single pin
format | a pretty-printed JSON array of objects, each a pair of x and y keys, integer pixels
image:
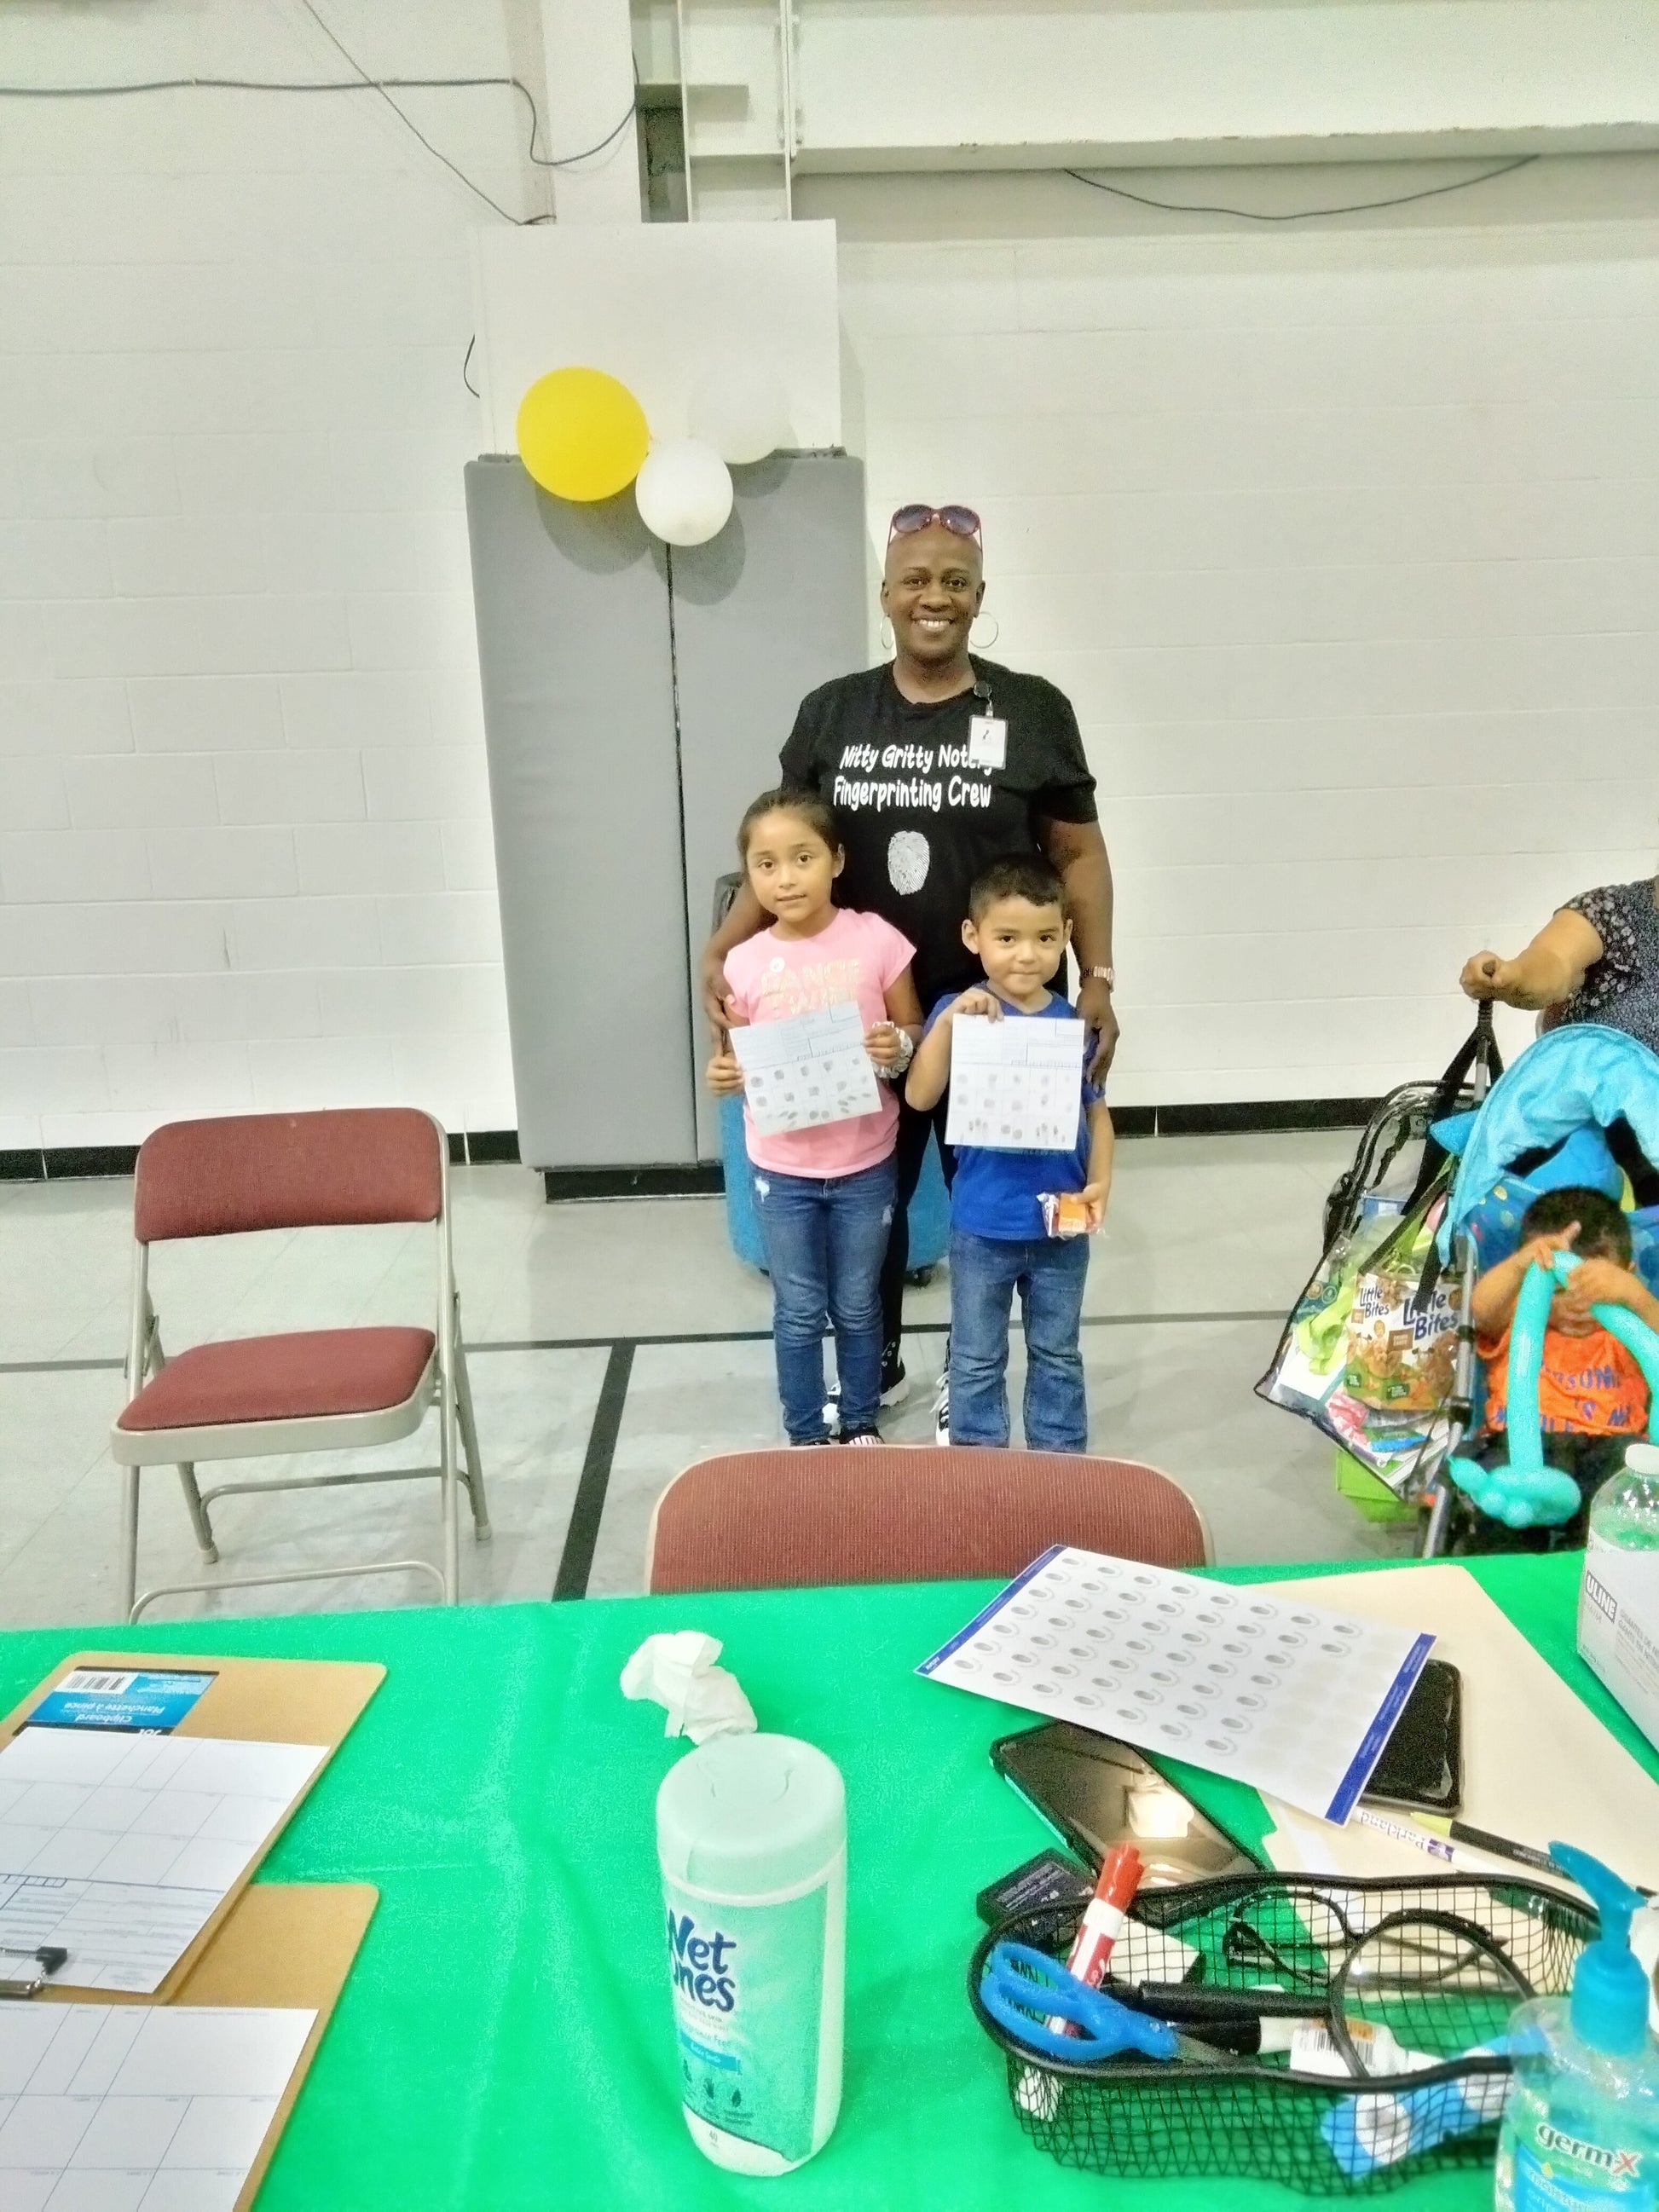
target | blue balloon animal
[{"x": 1525, "y": 1493}]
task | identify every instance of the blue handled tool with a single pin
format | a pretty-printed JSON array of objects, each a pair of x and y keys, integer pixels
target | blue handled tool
[{"x": 1025, "y": 1991}]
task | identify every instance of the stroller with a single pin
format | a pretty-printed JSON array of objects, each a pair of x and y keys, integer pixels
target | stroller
[{"x": 1379, "y": 1351}]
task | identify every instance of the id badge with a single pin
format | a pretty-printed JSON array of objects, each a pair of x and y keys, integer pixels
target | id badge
[{"x": 987, "y": 741}]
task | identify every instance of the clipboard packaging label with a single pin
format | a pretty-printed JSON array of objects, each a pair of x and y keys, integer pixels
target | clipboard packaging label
[{"x": 135, "y": 1703}]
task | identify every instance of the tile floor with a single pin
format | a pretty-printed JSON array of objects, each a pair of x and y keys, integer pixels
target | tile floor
[{"x": 1209, "y": 1241}]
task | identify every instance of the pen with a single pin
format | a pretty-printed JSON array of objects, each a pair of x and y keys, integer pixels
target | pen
[
  {"x": 1482, "y": 1839},
  {"x": 1406, "y": 1833},
  {"x": 1503, "y": 1847}
]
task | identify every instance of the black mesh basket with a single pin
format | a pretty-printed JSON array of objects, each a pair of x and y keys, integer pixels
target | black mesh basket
[{"x": 1441, "y": 1963}]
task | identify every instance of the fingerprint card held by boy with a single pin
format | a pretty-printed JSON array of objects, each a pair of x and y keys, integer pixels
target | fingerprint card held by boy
[{"x": 1000, "y": 1239}]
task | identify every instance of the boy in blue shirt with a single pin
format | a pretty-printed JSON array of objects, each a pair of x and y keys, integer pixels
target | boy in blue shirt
[{"x": 1019, "y": 929}]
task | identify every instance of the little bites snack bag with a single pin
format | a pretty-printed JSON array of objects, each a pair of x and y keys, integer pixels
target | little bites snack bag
[{"x": 1398, "y": 1361}]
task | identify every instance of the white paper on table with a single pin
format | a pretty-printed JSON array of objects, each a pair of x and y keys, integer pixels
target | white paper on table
[
  {"x": 1268, "y": 1690},
  {"x": 165, "y": 2106},
  {"x": 806, "y": 1070},
  {"x": 1016, "y": 1085},
  {"x": 122, "y": 1847}
]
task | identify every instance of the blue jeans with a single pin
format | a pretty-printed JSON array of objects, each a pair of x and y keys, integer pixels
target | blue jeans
[
  {"x": 825, "y": 1238},
  {"x": 1048, "y": 1272}
]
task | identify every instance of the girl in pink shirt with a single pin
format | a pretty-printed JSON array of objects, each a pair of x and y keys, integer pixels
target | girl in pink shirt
[{"x": 824, "y": 1195}]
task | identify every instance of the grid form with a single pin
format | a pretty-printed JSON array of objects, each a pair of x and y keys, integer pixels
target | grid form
[
  {"x": 806, "y": 1070},
  {"x": 138, "y": 2109},
  {"x": 1016, "y": 1085},
  {"x": 1288, "y": 1697},
  {"x": 120, "y": 1847}
]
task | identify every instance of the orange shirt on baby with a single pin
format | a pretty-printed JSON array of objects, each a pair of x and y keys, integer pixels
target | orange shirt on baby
[{"x": 1588, "y": 1386}]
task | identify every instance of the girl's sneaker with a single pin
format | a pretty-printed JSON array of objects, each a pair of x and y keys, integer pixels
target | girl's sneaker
[{"x": 862, "y": 1437}]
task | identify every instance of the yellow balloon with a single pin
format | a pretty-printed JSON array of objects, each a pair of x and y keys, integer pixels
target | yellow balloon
[{"x": 581, "y": 434}]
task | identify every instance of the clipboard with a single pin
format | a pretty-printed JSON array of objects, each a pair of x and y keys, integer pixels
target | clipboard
[
  {"x": 312, "y": 1701},
  {"x": 282, "y": 1944}
]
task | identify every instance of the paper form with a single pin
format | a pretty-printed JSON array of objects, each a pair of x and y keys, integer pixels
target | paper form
[
  {"x": 1280, "y": 1695},
  {"x": 121, "y": 1847},
  {"x": 1016, "y": 1085},
  {"x": 138, "y": 2108},
  {"x": 806, "y": 1070}
]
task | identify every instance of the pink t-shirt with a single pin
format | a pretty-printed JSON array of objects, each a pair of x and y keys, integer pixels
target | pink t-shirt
[{"x": 772, "y": 977}]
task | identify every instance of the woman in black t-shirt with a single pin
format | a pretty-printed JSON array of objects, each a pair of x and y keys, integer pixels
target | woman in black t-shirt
[{"x": 937, "y": 763}]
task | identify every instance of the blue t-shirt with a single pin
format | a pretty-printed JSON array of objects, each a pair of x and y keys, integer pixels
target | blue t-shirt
[{"x": 996, "y": 1193}]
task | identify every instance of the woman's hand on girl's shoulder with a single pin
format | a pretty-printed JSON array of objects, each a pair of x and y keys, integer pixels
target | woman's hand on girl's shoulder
[{"x": 724, "y": 1074}]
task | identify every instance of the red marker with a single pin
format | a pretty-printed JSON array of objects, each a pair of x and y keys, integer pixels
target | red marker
[{"x": 1098, "y": 1931}]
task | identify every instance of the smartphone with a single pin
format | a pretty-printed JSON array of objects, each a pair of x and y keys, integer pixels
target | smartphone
[
  {"x": 1421, "y": 1768},
  {"x": 1095, "y": 1792}
]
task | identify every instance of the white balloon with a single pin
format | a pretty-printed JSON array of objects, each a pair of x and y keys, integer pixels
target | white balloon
[
  {"x": 740, "y": 408},
  {"x": 683, "y": 491}
]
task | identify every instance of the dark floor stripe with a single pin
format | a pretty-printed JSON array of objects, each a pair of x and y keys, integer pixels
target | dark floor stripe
[
  {"x": 576, "y": 1561},
  {"x": 911, "y": 1328},
  {"x": 691, "y": 1336}
]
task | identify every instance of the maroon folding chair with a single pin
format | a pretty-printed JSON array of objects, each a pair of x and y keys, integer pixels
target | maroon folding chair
[
  {"x": 780, "y": 1519},
  {"x": 307, "y": 1391}
]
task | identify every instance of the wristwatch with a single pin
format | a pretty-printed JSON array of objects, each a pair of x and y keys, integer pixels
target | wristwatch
[{"x": 1102, "y": 976}]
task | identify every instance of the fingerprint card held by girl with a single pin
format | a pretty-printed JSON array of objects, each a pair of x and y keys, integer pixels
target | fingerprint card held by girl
[{"x": 823, "y": 1195}]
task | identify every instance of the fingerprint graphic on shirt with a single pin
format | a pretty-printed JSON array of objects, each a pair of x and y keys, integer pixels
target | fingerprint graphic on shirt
[{"x": 907, "y": 858}]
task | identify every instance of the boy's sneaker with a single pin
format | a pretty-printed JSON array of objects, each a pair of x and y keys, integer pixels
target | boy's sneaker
[
  {"x": 809, "y": 1443},
  {"x": 942, "y": 1408},
  {"x": 862, "y": 1437}
]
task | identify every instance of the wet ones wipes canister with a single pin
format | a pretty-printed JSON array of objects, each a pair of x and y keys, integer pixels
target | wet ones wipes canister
[{"x": 751, "y": 1837}]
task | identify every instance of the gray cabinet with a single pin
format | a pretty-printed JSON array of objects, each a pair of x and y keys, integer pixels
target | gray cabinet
[{"x": 635, "y": 700}]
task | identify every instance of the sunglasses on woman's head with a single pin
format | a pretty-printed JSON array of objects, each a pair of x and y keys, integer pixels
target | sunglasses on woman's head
[{"x": 962, "y": 521}]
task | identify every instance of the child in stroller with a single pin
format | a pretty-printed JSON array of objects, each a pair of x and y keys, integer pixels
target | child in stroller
[{"x": 1593, "y": 1398}]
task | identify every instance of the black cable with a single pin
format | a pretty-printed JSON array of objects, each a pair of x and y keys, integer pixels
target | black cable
[
  {"x": 362, "y": 82},
  {"x": 413, "y": 128},
  {"x": 1302, "y": 215},
  {"x": 466, "y": 379}
]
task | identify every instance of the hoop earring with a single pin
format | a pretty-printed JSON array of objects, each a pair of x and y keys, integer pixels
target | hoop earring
[
  {"x": 984, "y": 645},
  {"x": 885, "y": 637}
]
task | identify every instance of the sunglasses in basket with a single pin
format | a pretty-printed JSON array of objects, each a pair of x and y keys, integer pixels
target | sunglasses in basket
[{"x": 961, "y": 521}]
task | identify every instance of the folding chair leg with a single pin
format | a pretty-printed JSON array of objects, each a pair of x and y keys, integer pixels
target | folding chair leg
[
  {"x": 198, "y": 1514},
  {"x": 129, "y": 1541},
  {"x": 474, "y": 1467},
  {"x": 449, "y": 1489}
]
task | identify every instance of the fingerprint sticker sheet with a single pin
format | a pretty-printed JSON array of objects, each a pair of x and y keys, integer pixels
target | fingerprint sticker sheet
[
  {"x": 1015, "y": 1085},
  {"x": 1288, "y": 1698},
  {"x": 806, "y": 1070}
]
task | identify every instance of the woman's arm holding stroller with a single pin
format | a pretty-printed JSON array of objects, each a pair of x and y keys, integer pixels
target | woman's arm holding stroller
[{"x": 1549, "y": 971}]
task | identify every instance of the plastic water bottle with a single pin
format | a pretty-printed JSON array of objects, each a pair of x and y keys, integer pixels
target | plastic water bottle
[
  {"x": 1624, "y": 1517},
  {"x": 1619, "y": 1595},
  {"x": 1581, "y": 2131},
  {"x": 752, "y": 1837}
]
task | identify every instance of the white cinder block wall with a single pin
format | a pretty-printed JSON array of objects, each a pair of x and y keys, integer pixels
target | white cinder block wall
[
  {"x": 245, "y": 851},
  {"x": 1343, "y": 538}
]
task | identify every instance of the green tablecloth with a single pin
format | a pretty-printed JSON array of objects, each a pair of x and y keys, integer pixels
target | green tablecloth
[{"x": 505, "y": 2040}]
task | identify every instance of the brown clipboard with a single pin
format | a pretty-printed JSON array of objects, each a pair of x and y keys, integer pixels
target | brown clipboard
[
  {"x": 253, "y": 1701},
  {"x": 282, "y": 1944}
]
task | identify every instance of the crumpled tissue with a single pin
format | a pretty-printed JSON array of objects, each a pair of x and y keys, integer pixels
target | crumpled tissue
[{"x": 678, "y": 1671}]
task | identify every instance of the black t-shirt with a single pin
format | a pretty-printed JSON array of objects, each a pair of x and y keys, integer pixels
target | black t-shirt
[{"x": 919, "y": 823}]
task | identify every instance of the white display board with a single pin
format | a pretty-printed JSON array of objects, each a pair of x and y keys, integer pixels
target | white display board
[{"x": 657, "y": 304}]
